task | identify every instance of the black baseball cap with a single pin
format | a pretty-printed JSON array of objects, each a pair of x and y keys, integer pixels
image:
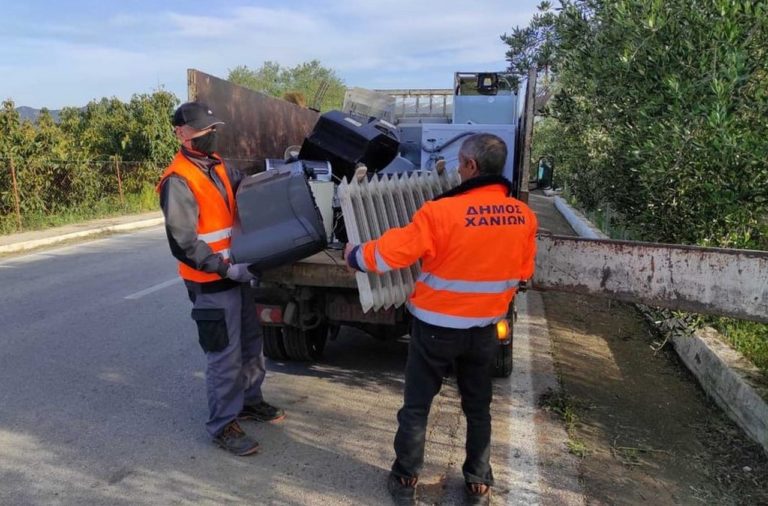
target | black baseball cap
[{"x": 195, "y": 114}]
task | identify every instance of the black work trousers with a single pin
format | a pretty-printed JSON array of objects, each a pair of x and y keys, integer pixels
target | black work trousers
[{"x": 431, "y": 352}]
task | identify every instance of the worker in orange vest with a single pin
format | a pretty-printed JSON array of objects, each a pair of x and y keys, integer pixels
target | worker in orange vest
[
  {"x": 197, "y": 195},
  {"x": 476, "y": 244}
]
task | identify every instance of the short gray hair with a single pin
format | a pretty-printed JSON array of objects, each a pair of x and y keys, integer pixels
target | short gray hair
[{"x": 488, "y": 150}]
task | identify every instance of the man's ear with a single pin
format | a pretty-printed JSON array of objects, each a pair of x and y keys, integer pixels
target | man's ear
[{"x": 474, "y": 167}]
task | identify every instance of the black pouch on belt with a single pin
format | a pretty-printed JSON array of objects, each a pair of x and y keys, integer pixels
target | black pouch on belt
[{"x": 211, "y": 329}]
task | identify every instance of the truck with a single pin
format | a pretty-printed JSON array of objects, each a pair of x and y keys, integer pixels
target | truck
[{"x": 305, "y": 303}]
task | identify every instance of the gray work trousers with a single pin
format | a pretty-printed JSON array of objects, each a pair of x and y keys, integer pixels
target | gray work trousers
[{"x": 232, "y": 340}]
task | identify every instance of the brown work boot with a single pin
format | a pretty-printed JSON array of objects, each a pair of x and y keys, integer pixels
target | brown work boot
[
  {"x": 234, "y": 439},
  {"x": 478, "y": 493}
]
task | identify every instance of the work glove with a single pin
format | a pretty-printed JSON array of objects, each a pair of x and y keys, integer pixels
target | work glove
[{"x": 240, "y": 273}]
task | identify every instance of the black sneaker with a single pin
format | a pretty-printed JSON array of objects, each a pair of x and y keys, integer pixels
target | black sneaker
[
  {"x": 402, "y": 490},
  {"x": 233, "y": 439},
  {"x": 261, "y": 412}
]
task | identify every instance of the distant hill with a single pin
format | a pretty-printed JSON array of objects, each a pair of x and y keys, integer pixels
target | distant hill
[{"x": 31, "y": 114}]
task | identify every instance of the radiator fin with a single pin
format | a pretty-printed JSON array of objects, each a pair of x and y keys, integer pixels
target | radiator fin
[{"x": 370, "y": 208}]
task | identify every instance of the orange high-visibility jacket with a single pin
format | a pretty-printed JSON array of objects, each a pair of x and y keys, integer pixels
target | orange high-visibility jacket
[
  {"x": 476, "y": 246},
  {"x": 215, "y": 217}
]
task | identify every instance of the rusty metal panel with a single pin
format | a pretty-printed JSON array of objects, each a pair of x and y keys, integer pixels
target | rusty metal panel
[
  {"x": 701, "y": 280},
  {"x": 257, "y": 126}
]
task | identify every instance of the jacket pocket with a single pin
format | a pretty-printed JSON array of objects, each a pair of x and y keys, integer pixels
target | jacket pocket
[{"x": 211, "y": 329}]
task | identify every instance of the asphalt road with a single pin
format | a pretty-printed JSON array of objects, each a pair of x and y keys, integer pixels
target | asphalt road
[{"x": 102, "y": 399}]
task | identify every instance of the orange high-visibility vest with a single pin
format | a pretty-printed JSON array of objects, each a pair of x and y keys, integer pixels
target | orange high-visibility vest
[
  {"x": 215, "y": 217},
  {"x": 475, "y": 248}
]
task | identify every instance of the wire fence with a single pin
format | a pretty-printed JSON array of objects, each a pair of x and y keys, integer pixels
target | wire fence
[{"x": 32, "y": 190}]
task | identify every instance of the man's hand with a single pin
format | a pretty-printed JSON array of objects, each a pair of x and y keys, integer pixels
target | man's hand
[
  {"x": 347, "y": 250},
  {"x": 240, "y": 273}
]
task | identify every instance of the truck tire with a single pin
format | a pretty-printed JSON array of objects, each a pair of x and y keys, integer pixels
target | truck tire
[
  {"x": 502, "y": 366},
  {"x": 305, "y": 345},
  {"x": 273, "y": 343}
]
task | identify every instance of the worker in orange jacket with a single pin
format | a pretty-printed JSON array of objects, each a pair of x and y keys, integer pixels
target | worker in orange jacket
[
  {"x": 476, "y": 244},
  {"x": 197, "y": 195}
]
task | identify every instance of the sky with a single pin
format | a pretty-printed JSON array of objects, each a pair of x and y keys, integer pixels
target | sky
[{"x": 66, "y": 53}]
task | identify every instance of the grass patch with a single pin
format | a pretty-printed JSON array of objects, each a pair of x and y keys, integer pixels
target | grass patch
[
  {"x": 143, "y": 201},
  {"x": 563, "y": 406},
  {"x": 631, "y": 456},
  {"x": 749, "y": 338},
  {"x": 576, "y": 447}
]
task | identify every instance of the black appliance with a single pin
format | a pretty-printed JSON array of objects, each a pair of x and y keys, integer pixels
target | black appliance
[{"x": 345, "y": 140}]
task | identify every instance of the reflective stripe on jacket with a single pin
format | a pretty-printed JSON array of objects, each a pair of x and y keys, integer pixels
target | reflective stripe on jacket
[
  {"x": 475, "y": 246},
  {"x": 215, "y": 218}
]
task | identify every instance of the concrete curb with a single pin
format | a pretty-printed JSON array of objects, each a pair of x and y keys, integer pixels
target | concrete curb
[
  {"x": 728, "y": 378},
  {"x": 723, "y": 373},
  {"x": 46, "y": 241},
  {"x": 578, "y": 221}
]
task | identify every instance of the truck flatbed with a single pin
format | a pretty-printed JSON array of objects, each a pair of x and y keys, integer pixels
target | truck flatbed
[{"x": 325, "y": 269}]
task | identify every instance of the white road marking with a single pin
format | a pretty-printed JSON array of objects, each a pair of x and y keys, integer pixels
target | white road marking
[
  {"x": 523, "y": 460},
  {"x": 154, "y": 288}
]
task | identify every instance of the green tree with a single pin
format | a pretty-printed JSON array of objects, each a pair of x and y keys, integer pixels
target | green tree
[
  {"x": 267, "y": 79},
  {"x": 660, "y": 112},
  {"x": 71, "y": 164},
  {"x": 151, "y": 142},
  {"x": 533, "y": 45},
  {"x": 320, "y": 85},
  {"x": 45, "y": 170},
  {"x": 81, "y": 183},
  {"x": 106, "y": 127},
  {"x": 150, "y": 136},
  {"x": 10, "y": 143}
]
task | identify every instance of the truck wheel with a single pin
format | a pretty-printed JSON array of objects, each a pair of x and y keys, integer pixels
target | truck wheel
[
  {"x": 273, "y": 343},
  {"x": 305, "y": 345},
  {"x": 502, "y": 366}
]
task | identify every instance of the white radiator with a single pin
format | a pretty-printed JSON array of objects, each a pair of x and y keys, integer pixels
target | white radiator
[{"x": 372, "y": 207}]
